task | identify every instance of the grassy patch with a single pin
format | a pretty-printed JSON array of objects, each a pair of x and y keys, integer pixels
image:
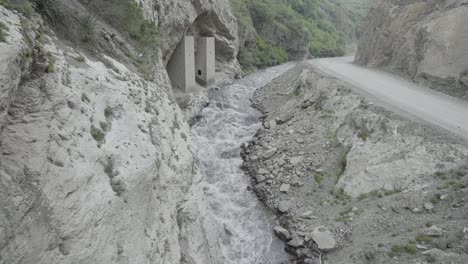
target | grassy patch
[
  {"x": 440, "y": 175},
  {"x": 97, "y": 134},
  {"x": 340, "y": 195},
  {"x": 343, "y": 160},
  {"x": 3, "y": 34},
  {"x": 50, "y": 64},
  {"x": 320, "y": 176},
  {"x": 363, "y": 196},
  {"x": 80, "y": 58},
  {"x": 456, "y": 185},
  {"x": 108, "y": 112},
  {"x": 422, "y": 238},
  {"x": 409, "y": 248},
  {"x": 263, "y": 54},
  {"x": 435, "y": 199},
  {"x": 377, "y": 193},
  {"x": 25, "y": 7},
  {"x": 127, "y": 17},
  {"x": 108, "y": 63},
  {"x": 344, "y": 215}
]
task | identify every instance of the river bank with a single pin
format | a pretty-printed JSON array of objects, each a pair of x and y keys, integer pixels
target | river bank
[{"x": 352, "y": 182}]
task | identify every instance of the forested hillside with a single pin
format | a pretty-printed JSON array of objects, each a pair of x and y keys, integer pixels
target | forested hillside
[{"x": 274, "y": 31}]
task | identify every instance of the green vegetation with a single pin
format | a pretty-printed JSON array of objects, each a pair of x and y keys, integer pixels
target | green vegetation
[
  {"x": 422, "y": 238},
  {"x": 344, "y": 215},
  {"x": 3, "y": 28},
  {"x": 126, "y": 16},
  {"x": 343, "y": 160},
  {"x": 340, "y": 195},
  {"x": 409, "y": 248},
  {"x": 440, "y": 175},
  {"x": 306, "y": 18},
  {"x": 378, "y": 193},
  {"x": 26, "y": 7},
  {"x": 320, "y": 176},
  {"x": 435, "y": 199},
  {"x": 265, "y": 54},
  {"x": 108, "y": 112},
  {"x": 97, "y": 134},
  {"x": 50, "y": 63},
  {"x": 456, "y": 185},
  {"x": 80, "y": 58}
]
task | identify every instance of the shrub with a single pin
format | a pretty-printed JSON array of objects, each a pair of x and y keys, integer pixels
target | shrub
[
  {"x": 409, "y": 248},
  {"x": 97, "y": 134},
  {"x": 127, "y": 17},
  {"x": 264, "y": 54},
  {"x": 25, "y": 7},
  {"x": 88, "y": 30},
  {"x": 3, "y": 28},
  {"x": 340, "y": 195},
  {"x": 422, "y": 238},
  {"x": 319, "y": 176}
]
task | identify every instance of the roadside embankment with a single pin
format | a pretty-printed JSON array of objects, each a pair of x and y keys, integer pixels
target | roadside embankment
[{"x": 353, "y": 182}]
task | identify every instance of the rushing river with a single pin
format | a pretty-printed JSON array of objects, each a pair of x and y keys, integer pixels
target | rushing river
[{"x": 246, "y": 225}]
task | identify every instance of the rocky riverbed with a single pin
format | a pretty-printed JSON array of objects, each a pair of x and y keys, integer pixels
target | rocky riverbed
[{"x": 352, "y": 182}]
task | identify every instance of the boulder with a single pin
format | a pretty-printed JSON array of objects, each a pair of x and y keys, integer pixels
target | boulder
[
  {"x": 283, "y": 207},
  {"x": 434, "y": 231},
  {"x": 269, "y": 153},
  {"x": 282, "y": 233},
  {"x": 285, "y": 187},
  {"x": 324, "y": 238},
  {"x": 296, "y": 242}
]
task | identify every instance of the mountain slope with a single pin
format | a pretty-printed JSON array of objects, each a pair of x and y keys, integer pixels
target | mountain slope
[
  {"x": 271, "y": 29},
  {"x": 425, "y": 41}
]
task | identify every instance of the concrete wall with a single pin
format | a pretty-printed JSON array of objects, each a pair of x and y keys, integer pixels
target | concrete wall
[
  {"x": 205, "y": 61},
  {"x": 181, "y": 66}
]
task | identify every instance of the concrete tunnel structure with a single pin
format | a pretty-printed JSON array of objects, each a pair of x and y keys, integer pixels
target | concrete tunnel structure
[{"x": 192, "y": 62}]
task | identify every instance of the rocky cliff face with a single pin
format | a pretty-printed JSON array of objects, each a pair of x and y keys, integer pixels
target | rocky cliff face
[
  {"x": 97, "y": 163},
  {"x": 424, "y": 40},
  {"x": 199, "y": 18}
]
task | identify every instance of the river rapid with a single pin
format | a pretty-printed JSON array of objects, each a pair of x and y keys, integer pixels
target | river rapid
[{"x": 246, "y": 225}]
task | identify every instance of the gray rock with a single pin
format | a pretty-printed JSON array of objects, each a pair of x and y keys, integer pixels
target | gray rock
[
  {"x": 308, "y": 215},
  {"x": 436, "y": 255},
  {"x": 269, "y": 153},
  {"x": 282, "y": 233},
  {"x": 429, "y": 206},
  {"x": 272, "y": 124},
  {"x": 260, "y": 178},
  {"x": 433, "y": 231},
  {"x": 299, "y": 140},
  {"x": 283, "y": 206},
  {"x": 287, "y": 117},
  {"x": 285, "y": 188},
  {"x": 296, "y": 160},
  {"x": 296, "y": 242},
  {"x": 324, "y": 238}
]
